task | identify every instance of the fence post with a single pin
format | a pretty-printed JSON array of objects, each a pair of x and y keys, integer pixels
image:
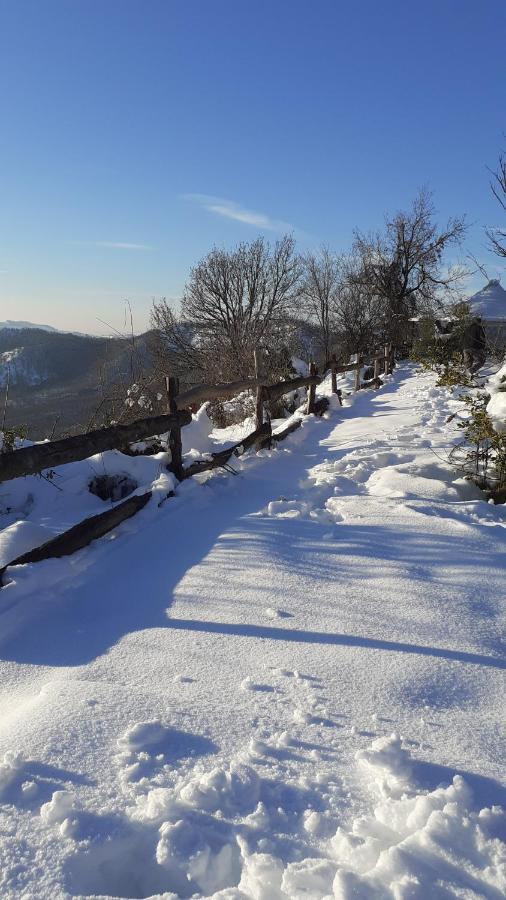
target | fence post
[
  {"x": 259, "y": 406},
  {"x": 386, "y": 359},
  {"x": 357, "y": 372},
  {"x": 175, "y": 442},
  {"x": 376, "y": 369},
  {"x": 333, "y": 363}
]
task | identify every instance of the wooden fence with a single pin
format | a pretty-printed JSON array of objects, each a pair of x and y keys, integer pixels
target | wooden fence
[{"x": 47, "y": 455}]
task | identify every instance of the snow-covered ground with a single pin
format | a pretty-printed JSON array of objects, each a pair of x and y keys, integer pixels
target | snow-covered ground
[{"x": 285, "y": 684}]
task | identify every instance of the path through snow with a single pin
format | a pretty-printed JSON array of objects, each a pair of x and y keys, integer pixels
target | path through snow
[{"x": 287, "y": 684}]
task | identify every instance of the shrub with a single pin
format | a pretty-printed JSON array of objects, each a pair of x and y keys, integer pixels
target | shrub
[
  {"x": 10, "y": 437},
  {"x": 482, "y": 453}
]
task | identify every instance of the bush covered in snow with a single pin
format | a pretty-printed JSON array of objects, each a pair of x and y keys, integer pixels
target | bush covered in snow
[
  {"x": 224, "y": 413},
  {"x": 482, "y": 453}
]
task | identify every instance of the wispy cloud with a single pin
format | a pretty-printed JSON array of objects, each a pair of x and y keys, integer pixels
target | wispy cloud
[
  {"x": 122, "y": 245},
  {"x": 231, "y": 210},
  {"x": 114, "y": 245}
]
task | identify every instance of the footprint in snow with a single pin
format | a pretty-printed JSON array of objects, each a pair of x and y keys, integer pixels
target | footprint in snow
[{"x": 249, "y": 685}]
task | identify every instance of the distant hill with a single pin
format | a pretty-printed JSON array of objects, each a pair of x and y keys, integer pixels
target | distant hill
[
  {"x": 58, "y": 376},
  {"x": 56, "y": 379},
  {"x": 11, "y": 323}
]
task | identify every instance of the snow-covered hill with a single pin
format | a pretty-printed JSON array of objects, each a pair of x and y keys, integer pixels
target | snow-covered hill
[
  {"x": 17, "y": 368},
  {"x": 11, "y": 323},
  {"x": 282, "y": 685}
]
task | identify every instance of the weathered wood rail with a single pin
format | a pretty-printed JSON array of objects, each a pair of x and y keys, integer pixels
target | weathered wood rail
[
  {"x": 48, "y": 455},
  {"x": 82, "y": 534},
  {"x": 204, "y": 392}
]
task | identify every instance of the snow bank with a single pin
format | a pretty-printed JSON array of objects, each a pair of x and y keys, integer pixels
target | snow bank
[
  {"x": 197, "y": 857},
  {"x": 20, "y": 537},
  {"x": 388, "y": 764},
  {"x": 496, "y": 407},
  {"x": 423, "y": 845},
  {"x": 196, "y": 436},
  {"x": 143, "y": 734},
  {"x": 391, "y": 482},
  {"x": 208, "y": 834}
]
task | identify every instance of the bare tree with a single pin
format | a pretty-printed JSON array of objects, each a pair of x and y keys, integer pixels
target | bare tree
[
  {"x": 319, "y": 292},
  {"x": 404, "y": 265},
  {"x": 357, "y": 310},
  {"x": 497, "y": 236},
  {"x": 233, "y": 303},
  {"x": 175, "y": 345}
]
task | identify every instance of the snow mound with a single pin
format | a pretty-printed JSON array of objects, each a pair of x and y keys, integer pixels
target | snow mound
[
  {"x": 391, "y": 482},
  {"x": 388, "y": 763},
  {"x": 143, "y": 734},
  {"x": 235, "y": 789},
  {"x": 9, "y": 770},
  {"x": 426, "y": 845},
  {"x": 202, "y": 857},
  {"x": 58, "y": 808},
  {"x": 496, "y": 407},
  {"x": 196, "y": 436},
  {"x": 413, "y": 844},
  {"x": 20, "y": 537}
]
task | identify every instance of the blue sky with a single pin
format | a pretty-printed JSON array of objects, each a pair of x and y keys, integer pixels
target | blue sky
[{"x": 136, "y": 134}]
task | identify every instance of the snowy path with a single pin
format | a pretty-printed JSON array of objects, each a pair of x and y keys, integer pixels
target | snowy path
[{"x": 275, "y": 629}]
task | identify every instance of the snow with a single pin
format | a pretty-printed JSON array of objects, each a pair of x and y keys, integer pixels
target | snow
[
  {"x": 490, "y": 302},
  {"x": 16, "y": 368},
  {"x": 496, "y": 406},
  {"x": 34, "y": 509},
  {"x": 58, "y": 808},
  {"x": 197, "y": 435},
  {"x": 286, "y": 684}
]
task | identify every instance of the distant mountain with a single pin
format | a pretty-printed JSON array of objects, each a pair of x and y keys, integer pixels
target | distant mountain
[
  {"x": 11, "y": 323},
  {"x": 55, "y": 375},
  {"x": 490, "y": 302}
]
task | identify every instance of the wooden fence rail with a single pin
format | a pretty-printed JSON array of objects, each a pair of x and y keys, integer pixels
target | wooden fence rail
[
  {"x": 48, "y": 455},
  {"x": 384, "y": 359},
  {"x": 32, "y": 460}
]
